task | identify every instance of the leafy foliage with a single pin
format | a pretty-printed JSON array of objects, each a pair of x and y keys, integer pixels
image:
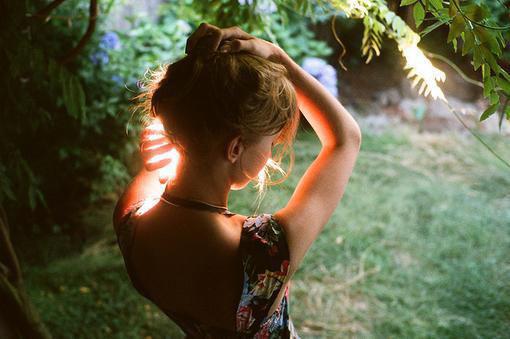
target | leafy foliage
[
  {"x": 63, "y": 142},
  {"x": 473, "y": 26},
  {"x": 480, "y": 27},
  {"x": 77, "y": 111}
]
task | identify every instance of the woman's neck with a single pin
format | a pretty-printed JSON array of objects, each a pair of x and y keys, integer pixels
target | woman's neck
[{"x": 209, "y": 184}]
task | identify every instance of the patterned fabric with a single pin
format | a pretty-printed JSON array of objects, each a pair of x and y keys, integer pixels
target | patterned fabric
[{"x": 265, "y": 257}]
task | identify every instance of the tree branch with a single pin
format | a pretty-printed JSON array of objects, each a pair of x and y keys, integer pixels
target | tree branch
[
  {"x": 73, "y": 53},
  {"x": 45, "y": 12},
  {"x": 7, "y": 255}
]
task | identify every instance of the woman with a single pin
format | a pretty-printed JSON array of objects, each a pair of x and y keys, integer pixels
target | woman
[{"x": 224, "y": 106}]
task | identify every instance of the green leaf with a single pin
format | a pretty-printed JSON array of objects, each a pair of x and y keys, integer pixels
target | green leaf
[
  {"x": 488, "y": 83},
  {"x": 488, "y": 112},
  {"x": 73, "y": 95},
  {"x": 452, "y": 9},
  {"x": 505, "y": 85},
  {"x": 474, "y": 12},
  {"x": 504, "y": 74},
  {"x": 430, "y": 28},
  {"x": 486, "y": 71},
  {"x": 469, "y": 42},
  {"x": 477, "y": 58},
  {"x": 490, "y": 59},
  {"x": 456, "y": 27},
  {"x": 488, "y": 39},
  {"x": 494, "y": 98},
  {"x": 407, "y": 2},
  {"x": 437, "y": 4},
  {"x": 418, "y": 14}
]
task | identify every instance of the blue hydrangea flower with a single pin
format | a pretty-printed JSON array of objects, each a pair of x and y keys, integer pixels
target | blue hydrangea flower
[
  {"x": 322, "y": 71},
  {"x": 110, "y": 40},
  {"x": 99, "y": 58}
]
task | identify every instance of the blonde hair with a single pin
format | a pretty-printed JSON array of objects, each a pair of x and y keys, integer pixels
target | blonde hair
[{"x": 203, "y": 101}]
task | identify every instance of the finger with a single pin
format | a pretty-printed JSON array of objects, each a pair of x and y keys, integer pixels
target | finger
[
  {"x": 234, "y": 32},
  {"x": 149, "y": 153},
  {"x": 225, "y": 34},
  {"x": 193, "y": 38},
  {"x": 224, "y": 37},
  {"x": 153, "y": 139},
  {"x": 205, "y": 30},
  {"x": 154, "y": 165},
  {"x": 155, "y": 136},
  {"x": 208, "y": 43},
  {"x": 241, "y": 45},
  {"x": 152, "y": 144}
]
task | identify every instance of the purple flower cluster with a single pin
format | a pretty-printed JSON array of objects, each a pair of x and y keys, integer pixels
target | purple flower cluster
[
  {"x": 322, "y": 71},
  {"x": 109, "y": 41}
]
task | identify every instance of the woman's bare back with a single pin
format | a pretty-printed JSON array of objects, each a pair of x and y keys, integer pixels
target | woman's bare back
[{"x": 188, "y": 261}]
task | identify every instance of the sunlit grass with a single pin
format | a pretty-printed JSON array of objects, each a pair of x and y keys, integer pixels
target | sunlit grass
[{"x": 418, "y": 248}]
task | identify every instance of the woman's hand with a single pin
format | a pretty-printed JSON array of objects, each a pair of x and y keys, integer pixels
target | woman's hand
[
  {"x": 208, "y": 38},
  {"x": 157, "y": 151}
]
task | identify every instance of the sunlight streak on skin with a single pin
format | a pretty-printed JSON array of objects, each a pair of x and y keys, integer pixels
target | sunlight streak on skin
[{"x": 147, "y": 205}]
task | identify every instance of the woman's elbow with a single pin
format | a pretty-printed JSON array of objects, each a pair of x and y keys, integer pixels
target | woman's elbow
[{"x": 351, "y": 137}]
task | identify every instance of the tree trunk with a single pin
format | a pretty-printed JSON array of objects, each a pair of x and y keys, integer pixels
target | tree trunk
[{"x": 18, "y": 318}]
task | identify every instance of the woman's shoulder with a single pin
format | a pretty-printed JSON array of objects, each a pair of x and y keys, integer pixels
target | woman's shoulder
[
  {"x": 136, "y": 209},
  {"x": 264, "y": 228},
  {"x": 264, "y": 245},
  {"x": 125, "y": 227}
]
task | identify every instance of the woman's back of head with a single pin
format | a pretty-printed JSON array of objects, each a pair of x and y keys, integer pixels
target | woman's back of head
[{"x": 204, "y": 101}]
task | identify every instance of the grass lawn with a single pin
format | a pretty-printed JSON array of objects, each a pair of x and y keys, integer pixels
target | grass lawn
[{"x": 419, "y": 247}]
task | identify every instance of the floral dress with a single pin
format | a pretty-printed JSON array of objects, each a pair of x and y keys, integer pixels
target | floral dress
[{"x": 265, "y": 258}]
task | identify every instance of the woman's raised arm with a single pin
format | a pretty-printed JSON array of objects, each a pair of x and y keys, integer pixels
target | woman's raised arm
[{"x": 321, "y": 188}]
